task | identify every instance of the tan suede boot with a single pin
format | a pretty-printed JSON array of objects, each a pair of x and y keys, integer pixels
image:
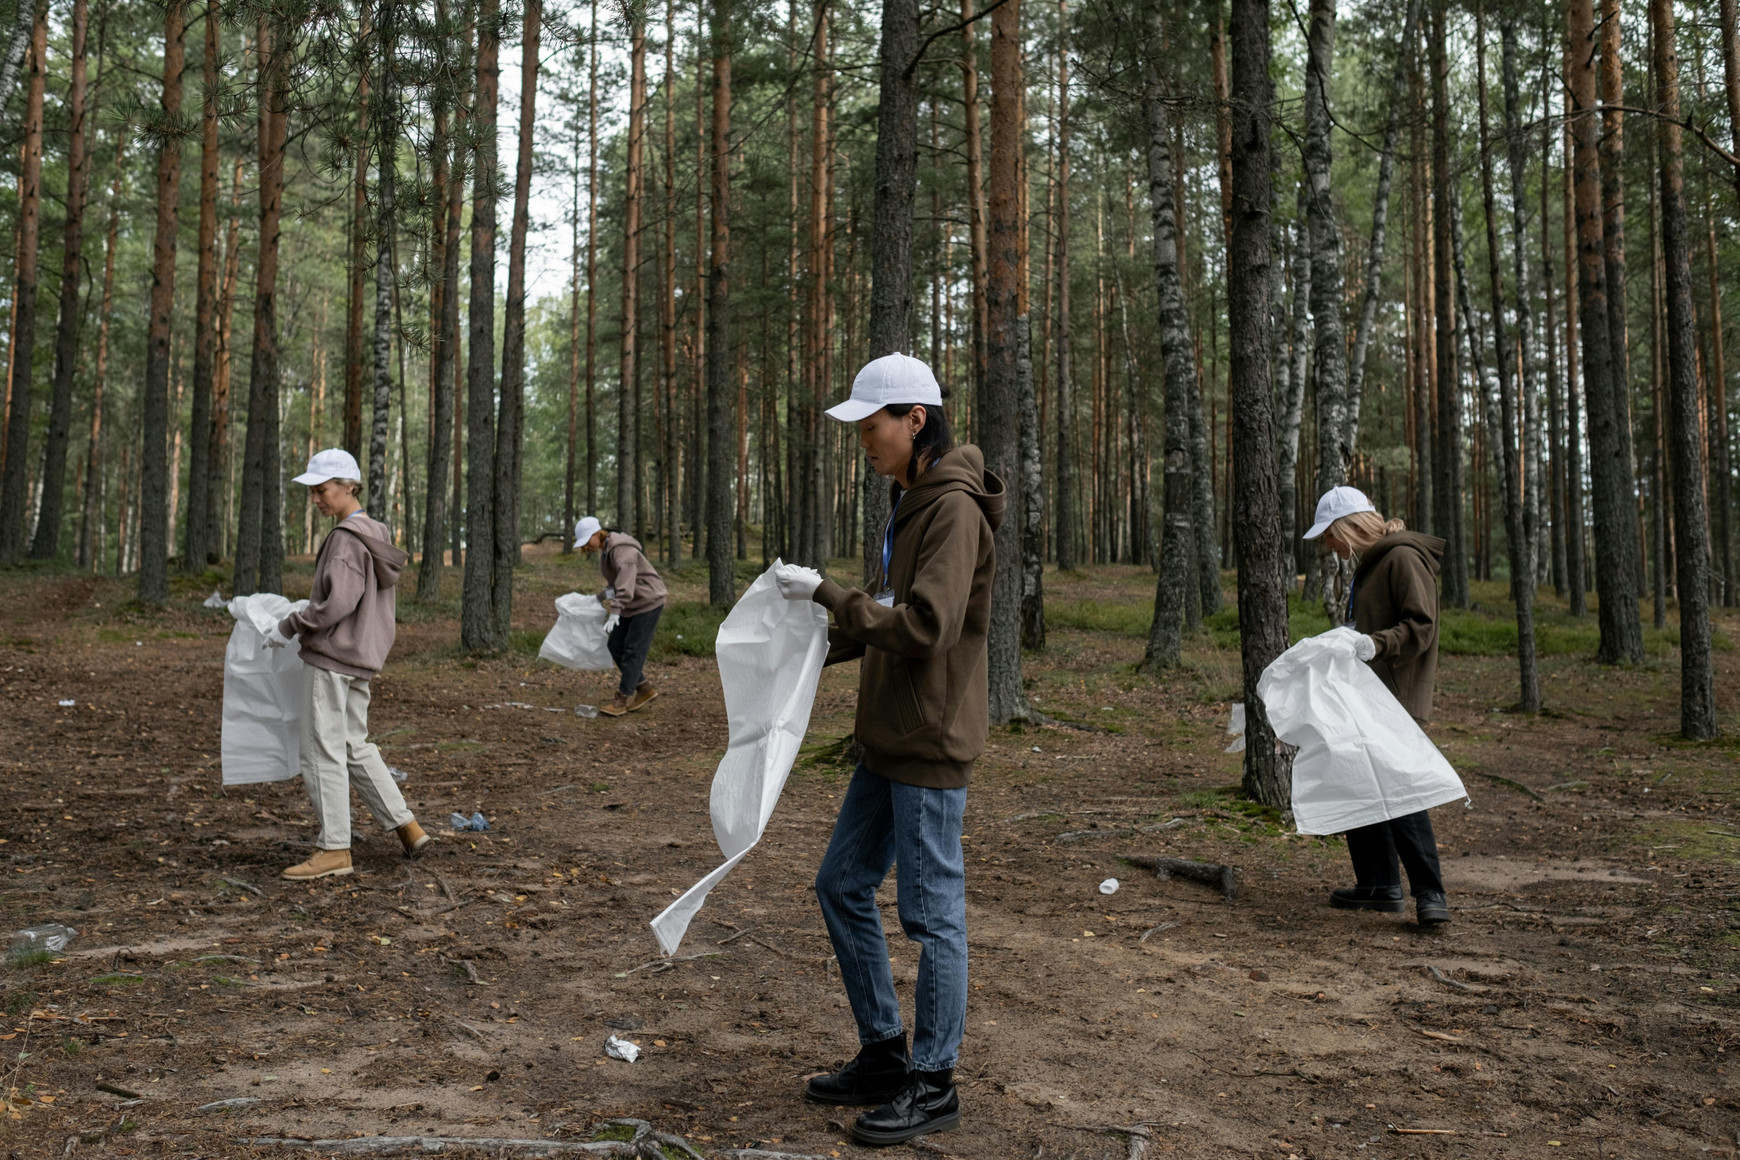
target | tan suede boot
[
  {"x": 321, "y": 864},
  {"x": 413, "y": 837},
  {"x": 643, "y": 693},
  {"x": 616, "y": 708}
]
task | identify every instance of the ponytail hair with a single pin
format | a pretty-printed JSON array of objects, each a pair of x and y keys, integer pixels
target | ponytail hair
[{"x": 1361, "y": 530}]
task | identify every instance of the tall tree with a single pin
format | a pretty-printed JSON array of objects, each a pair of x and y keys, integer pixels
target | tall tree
[
  {"x": 1165, "y": 635},
  {"x": 1722, "y": 489},
  {"x": 1691, "y": 534},
  {"x": 1447, "y": 455},
  {"x": 1611, "y": 79},
  {"x": 627, "y": 418},
  {"x": 66, "y": 343},
  {"x": 976, "y": 238},
  {"x": 1329, "y": 345},
  {"x": 385, "y": 116},
  {"x": 998, "y": 417},
  {"x": 17, "y": 45},
  {"x": 1064, "y": 533},
  {"x": 1518, "y": 523},
  {"x": 1533, "y": 499},
  {"x": 721, "y": 580},
  {"x": 259, "y": 526},
  {"x": 91, "y": 518},
  {"x": 592, "y": 268},
  {"x": 891, "y": 229},
  {"x": 478, "y": 629},
  {"x": 13, "y": 468},
  {"x": 154, "y": 410},
  {"x": 1616, "y": 544},
  {"x": 358, "y": 265},
  {"x": 509, "y": 431},
  {"x": 202, "y": 522},
  {"x": 1254, "y": 511},
  {"x": 673, "y": 444}
]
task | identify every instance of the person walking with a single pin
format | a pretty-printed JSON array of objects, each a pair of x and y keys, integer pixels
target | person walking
[
  {"x": 1393, "y": 601},
  {"x": 634, "y": 591},
  {"x": 922, "y": 721},
  {"x": 346, "y": 631}
]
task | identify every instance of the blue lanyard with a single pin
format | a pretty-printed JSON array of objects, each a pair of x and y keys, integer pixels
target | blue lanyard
[
  {"x": 1350, "y": 589},
  {"x": 888, "y": 543}
]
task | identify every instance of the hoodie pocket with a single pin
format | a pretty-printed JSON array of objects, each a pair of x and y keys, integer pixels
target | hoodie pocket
[{"x": 906, "y": 704}]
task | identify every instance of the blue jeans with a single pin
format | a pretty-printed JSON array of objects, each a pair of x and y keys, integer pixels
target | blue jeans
[{"x": 882, "y": 823}]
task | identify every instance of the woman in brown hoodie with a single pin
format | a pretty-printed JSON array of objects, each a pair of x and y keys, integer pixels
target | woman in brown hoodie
[
  {"x": 922, "y": 721},
  {"x": 1394, "y": 602}
]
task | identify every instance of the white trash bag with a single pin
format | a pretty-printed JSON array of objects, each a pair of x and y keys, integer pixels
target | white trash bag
[
  {"x": 579, "y": 639},
  {"x": 262, "y": 715},
  {"x": 770, "y": 652},
  {"x": 1362, "y": 759}
]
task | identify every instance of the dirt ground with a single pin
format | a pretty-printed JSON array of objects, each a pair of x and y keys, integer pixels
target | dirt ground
[{"x": 1584, "y": 998}]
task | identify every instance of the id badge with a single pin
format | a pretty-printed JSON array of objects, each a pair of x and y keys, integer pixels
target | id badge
[{"x": 885, "y": 598}]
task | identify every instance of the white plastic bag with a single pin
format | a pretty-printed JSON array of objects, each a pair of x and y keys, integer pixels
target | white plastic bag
[
  {"x": 579, "y": 639},
  {"x": 262, "y": 715},
  {"x": 1362, "y": 759},
  {"x": 770, "y": 652}
]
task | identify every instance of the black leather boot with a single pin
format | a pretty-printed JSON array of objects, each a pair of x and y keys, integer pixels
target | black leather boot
[
  {"x": 1431, "y": 908},
  {"x": 877, "y": 1075},
  {"x": 927, "y": 1104},
  {"x": 1384, "y": 898}
]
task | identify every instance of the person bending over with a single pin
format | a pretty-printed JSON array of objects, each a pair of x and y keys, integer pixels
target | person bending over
[
  {"x": 1394, "y": 602},
  {"x": 635, "y": 592},
  {"x": 922, "y": 720},
  {"x": 346, "y": 631}
]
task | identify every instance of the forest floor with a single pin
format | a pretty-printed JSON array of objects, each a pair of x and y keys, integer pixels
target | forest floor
[{"x": 1585, "y": 997}]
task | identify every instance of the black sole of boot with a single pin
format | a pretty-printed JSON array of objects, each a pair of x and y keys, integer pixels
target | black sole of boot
[
  {"x": 1397, "y": 907},
  {"x": 884, "y": 1139}
]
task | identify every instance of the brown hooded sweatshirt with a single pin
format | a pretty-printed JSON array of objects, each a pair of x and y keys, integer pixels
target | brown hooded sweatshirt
[
  {"x": 625, "y": 567},
  {"x": 1395, "y": 602},
  {"x": 923, "y": 707},
  {"x": 348, "y": 626}
]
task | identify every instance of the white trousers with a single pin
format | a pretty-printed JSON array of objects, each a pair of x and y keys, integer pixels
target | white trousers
[{"x": 336, "y": 754}]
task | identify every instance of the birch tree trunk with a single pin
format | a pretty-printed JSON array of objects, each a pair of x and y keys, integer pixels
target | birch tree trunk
[
  {"x": 1691, "y": 542},
  {"x": 1292, "y": 367},
  {"x": 386, "y": 143},
  {"x": 1166, "y": 633},
  {"x": 478, "y": 628},
  {"x": 1617, "y": 549},
  {"x": 22, "y": 24}
]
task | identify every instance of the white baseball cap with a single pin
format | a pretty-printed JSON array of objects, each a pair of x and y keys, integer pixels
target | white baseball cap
[
  {"x": 333, "y": 463},
  {"x": 893, "y": 378},
  {"x": 1338, "y": 502},
  {"x": 586, "y": 529}
]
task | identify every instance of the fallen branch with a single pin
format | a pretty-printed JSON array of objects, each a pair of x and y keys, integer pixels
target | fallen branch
[
  {"x": 1722, "y": 833},
  {"x": 1216, "y": 874},
  {"x": 1423, "y": 1131},
  {"x": 645, "y": 1144},
  {"x": 118, "y": 1091},
  {"x": 1153, "y": 929},
  {"x": 1439, "y": 1036},
  {"x": 1453, "y": 984},
  {"x": 1111, "y": 1129},
  {"x": 1510, "y": 784},
  {"x": 240, "y": 885}
]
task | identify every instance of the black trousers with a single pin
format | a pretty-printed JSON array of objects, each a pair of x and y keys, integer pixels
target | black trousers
[
  {"x": 629, "y": 643},
  {"x": 1380, "y": 851}
]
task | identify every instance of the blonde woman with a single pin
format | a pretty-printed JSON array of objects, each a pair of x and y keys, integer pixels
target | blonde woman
[{"x": 1394, "y": 601}]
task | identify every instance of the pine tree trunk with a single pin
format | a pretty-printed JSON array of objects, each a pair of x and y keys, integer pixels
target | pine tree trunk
[
  {"x": 386, "y": 143},
  {"x": 1254, "y": 509},
  {"x": 627, "y": 418},
  {"x": 478, "y": 629},
  {"x": 14, "y": 502},
  {"x": 673, "y": 444},
  {"x": 448, "y": 185},
  {"x": 1691, "y": 543},
  {"x": 807, "y": 484},
  {"x": 1518, "y": 523},
  {"x": 154, "y": 419},
  {"x": 47, "y": 543},
  {"x": 509, "y": 432},
  {"x": 1721, "y": 575},
  {"x": 1064, "y": 531},
  {"x": 999, "y": 410},
  {"x": 1722, "y": 493},
  {"x": 223, "y": 459},
  {"x": 353, "y": 332},
  {"x": 1555, "y": 498},
  {"x": 1617, "y": 548},
  {"x": 259, "y": 525},
  {"x": 202, "y": 524},
  {"x": 1447, "y": 459},
  {"x": 93, "y": 516},
  {"x": 721, "y": 580},
  {"x": 1165, "y": 635},
  {"x": 891, "y": 230},
  {"x": 975, "y": 194},
  {"x": 1329, "y": 341},
  {"x": 1533, "y": 490}
]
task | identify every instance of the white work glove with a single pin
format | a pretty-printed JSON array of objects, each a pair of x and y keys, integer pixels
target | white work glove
[
  {"x": 797, "y": 582},
  {"x": 277, "y": 638},
  {"x": 1364, "y": 647}
]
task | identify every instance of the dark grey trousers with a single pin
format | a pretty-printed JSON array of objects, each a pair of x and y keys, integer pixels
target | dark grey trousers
[{"x": 629, "y": 643}]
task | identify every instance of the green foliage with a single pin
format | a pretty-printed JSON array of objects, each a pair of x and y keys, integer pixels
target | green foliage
[
  {"x": 25, "y": 957},
  {"x": 687, "y": 628},
  {"x": 1100, "y": 616}
]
